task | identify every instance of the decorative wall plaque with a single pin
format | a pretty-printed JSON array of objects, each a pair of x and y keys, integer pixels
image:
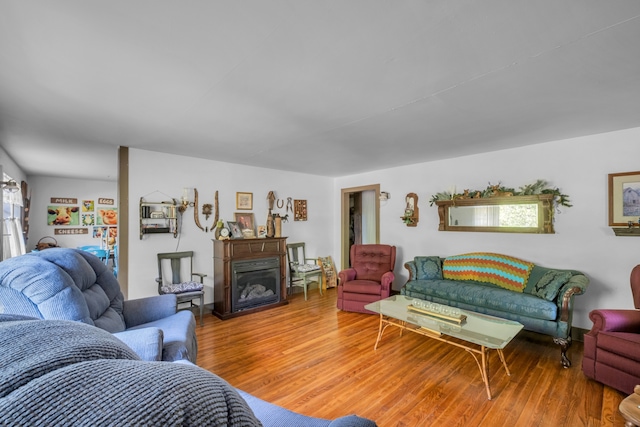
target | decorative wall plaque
[
  {"x": 64, "y": 200},
  {"x": 299, "y": 210},
  {"x": 64, "y": 231}
]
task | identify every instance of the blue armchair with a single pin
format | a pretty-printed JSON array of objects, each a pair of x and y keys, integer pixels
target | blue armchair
[{"x": 70, "y": 284}]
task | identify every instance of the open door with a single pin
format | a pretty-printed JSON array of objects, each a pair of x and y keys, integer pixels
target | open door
[{"x": 360, "y": 218}]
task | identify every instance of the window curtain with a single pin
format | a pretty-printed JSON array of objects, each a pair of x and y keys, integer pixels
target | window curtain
[{"x": 12, "y": 237}]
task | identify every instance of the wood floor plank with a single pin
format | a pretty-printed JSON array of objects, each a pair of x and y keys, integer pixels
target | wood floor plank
[{"x": 312, "y": 358}]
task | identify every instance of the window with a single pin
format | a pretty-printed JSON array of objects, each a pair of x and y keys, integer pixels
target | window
[{"x": 12, "y": 234}]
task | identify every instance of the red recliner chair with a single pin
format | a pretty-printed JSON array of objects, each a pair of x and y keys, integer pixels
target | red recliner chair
[
  {"x": 612, "y": 347},
  {"x": 369, "y": 279}
]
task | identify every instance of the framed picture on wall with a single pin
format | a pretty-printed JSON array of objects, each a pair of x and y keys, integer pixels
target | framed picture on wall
[
  {"x": 624, "y": 198},
  {"x": 107, "y": 216},
  {"x": 63, "y": 215},
  {"x": 88, "y": 206},
  {"x": 244, "y": 201}
]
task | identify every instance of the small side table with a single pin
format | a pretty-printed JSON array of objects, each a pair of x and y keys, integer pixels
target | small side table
[{"x": 630, "y": 408}]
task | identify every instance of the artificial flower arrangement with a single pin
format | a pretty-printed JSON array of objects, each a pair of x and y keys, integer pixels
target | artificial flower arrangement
[{"x": 538, "y": 187}]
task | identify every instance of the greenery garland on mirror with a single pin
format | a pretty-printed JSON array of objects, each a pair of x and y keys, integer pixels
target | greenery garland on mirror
[{"x": 538, "y": 187}]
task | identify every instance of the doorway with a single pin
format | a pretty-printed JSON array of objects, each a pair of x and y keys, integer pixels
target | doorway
[{"x": 360, "y": 218}]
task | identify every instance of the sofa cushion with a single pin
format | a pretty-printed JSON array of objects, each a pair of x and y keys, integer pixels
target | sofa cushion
[
  {"x": 371, "y": 261},
  {"x": 362, "y": 287},
  {"x": 179, "y": 288},
  {"x": 502, "y": 270},
  {"x": 99, "y": 289},
  {"x": 305, "y": 268},
  {"x": 550, "y": 283},
  {"x": 482, "y": 295},
  {"x": 428, "y": 267}
]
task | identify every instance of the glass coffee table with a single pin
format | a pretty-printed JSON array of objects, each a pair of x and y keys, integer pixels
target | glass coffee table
[{"x": 474, "y": 332}]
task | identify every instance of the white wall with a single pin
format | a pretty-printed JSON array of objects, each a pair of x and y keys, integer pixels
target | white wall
[
  {"x": 583, "y": 240},
  {"x": 158, "y": 176},
  {"x": 10, "y": 167},
  {"x": 43, "y": 188}
]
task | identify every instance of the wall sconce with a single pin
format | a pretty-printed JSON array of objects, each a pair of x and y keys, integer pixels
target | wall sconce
[
  {"x": 184, "y": 201},
  {"x": 384, "y": 196},
  {"x": 10, "y": 186}
]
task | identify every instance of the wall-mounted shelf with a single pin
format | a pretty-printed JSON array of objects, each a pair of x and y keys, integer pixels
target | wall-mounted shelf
[
  {"x": 411, "y": 211},
  {"x": 626, "y": 231},
  {"x": 158, "y": 217}
]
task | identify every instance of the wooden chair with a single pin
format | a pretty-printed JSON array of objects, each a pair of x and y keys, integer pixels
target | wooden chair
[
  {"x": 175, "y": 276},
  {"x": 301, "y": 271},
  {"x": 329, "y": 273},
  {"x": 115, "y": 260}
]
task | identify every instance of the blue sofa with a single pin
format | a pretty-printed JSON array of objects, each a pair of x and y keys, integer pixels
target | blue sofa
[
  {"x": 71, "y": 284},
  {"x": 499, "y": 285}
]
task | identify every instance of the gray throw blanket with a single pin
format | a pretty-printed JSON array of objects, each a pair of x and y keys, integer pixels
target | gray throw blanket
[{"x": 55, "y": 372}]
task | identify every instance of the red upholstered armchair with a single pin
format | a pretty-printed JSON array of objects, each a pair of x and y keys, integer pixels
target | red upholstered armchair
[
  {"x": 612, "y": 347},
  {"x": 369, "y": 279}
]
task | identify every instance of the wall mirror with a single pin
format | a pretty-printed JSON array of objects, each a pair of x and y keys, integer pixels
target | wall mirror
[{"x": 515, "y": 214}]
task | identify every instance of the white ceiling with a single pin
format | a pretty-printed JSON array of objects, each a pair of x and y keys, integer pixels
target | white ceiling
[{"x": 323, "y": 87}]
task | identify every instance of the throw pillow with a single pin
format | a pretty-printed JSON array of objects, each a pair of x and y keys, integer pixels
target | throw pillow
[
  {"x": 428, "y": 268},
  {"x": 550, "y": 283}
]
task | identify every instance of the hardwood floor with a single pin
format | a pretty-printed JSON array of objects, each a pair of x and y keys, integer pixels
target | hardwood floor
[{"x": 312, "y": 358}]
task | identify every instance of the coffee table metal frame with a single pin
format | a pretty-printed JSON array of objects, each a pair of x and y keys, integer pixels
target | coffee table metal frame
[{"x": 479, "y": 333}]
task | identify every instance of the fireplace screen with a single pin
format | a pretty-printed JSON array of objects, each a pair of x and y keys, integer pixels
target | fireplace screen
[{"x": 255, "y": 283}]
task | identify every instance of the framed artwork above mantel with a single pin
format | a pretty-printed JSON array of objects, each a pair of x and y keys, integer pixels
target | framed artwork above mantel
[{"x": 244, "y": 201}]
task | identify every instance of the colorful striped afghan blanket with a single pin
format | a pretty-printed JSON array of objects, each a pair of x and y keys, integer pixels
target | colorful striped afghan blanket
[{"x": 501, "y": 270}]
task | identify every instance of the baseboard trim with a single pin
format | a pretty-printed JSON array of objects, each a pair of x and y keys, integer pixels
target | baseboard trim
[{"x": 577, "y": 334}]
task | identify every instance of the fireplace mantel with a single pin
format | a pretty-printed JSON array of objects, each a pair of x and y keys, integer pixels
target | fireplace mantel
[{"x": 225, "y": 252}]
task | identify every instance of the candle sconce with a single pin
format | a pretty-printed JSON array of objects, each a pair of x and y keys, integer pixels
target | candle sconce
[
  {"x": 411, "y": 211},
  {"x": 184, "y": 200}
]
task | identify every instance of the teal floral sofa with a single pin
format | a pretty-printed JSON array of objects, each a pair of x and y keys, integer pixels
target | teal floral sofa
[{"x": 503, "y": 286}]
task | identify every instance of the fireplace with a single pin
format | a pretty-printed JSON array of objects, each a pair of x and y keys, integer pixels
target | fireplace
[
  {"x": 254, "y": 283},
  {"x": 249, "y": 275}
]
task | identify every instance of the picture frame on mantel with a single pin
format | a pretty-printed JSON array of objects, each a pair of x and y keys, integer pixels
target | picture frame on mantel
[
  {"x": 246, "y": 222},
  {"x": 244, "y": 201},
  {"x": 624, "y": 198},
  {"x": 236, "y": 233}
]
